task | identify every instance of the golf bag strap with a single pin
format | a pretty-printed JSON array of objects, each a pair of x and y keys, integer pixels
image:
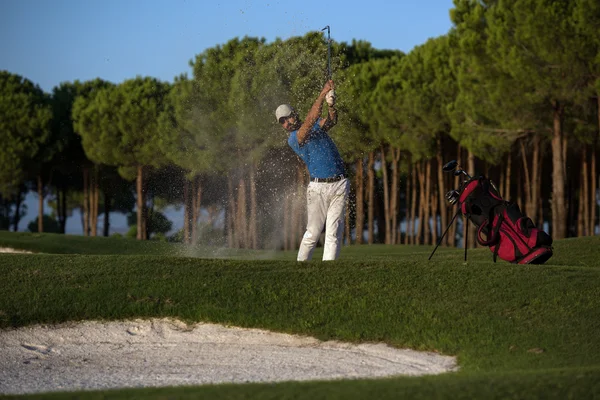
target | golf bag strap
[
  {"x": 496, "y": 230},
  {"x": 492, "y": 236}
]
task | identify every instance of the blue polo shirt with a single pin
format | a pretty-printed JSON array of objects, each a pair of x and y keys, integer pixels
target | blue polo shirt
[{"x": 318, "y": 152}]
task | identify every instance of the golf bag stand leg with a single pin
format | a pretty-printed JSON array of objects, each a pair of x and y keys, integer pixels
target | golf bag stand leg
[
  {"x": 466, "y": 237},
  {"x": 445, "y": 232}
]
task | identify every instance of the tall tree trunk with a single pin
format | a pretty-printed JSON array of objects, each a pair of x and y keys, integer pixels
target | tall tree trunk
[
  {"x": 595, "y": 176},
  {"x": 501, "y": 182},
  {"x": 532, "y": 178},
  {"x": 360, "y": 200},
  {"x": 527, "y": 177},
  {"x": 59, "y": 214},
  {"x": 390, "y": 193},
  {"x": 536, "y": 179},
  {"x": 141, "y": 204},
  {"x": 241, "y": 220},
  {"x": 63, "y": 207},
  {"x": 231, "y": 212},
  {"x": 149, "y": 212},
  {"x": 407, "y": 202},
  {"x": 593, "y": 189},
  {"x": 395, "y": 195},
  {"x": 40, "y": 190},
  {"x": 519, "y": 179},
  {"x": 91, "y": 203},
  {"x": 507, "y": 177},
  {"x": 434, "y": 210},
  {"x": 559, "y": 230},
  {"x": 538, "y": 190},
  {"x": 253, "y": 212},
  {"x": 443, "y": 208},
  {"x": 386, "y": 198},
  {"x": 196, "y": 202},
  {"x": 542, "y": 215},
  {"x": 371, "y": 196},
  {"x": 413, "y": 203},
  {"x": 379, "y": 215},
  {"x": 17, "y": 216},
  {"x": 187, "y": 215},
  {"x": 107, "y": 209},
  {"x": 583, "y": 196},
  {"x": 5, "y": 211},
  {"x": 427, "y": 204},
  {"x": 94, "y": 200},
  {"x": 86, "y": 201},
  {"x": 472, "y": 230},
  {"x": 421, "y": 176}
]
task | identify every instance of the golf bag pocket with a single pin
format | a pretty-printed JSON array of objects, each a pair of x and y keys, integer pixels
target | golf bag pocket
[
  {"x": 502, "y": 226},
  {"x": 513, "y": 237}
]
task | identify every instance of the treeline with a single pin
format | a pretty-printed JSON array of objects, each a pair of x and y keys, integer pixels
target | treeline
[{"x": 512, "y": 91}]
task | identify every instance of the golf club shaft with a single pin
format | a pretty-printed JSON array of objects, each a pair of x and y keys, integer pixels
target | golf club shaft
[
  {"x": 328, "y": 58},
  {"x": 328, "y": 52}
]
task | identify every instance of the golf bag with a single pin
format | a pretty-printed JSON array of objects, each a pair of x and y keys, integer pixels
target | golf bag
[{"x": 501, "y": 225}]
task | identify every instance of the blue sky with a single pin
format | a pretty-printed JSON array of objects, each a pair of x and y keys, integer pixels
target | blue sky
[{"x": 52, "y": 41}]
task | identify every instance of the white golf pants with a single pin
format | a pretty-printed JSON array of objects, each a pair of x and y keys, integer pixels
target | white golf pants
[{"x": 326, "y": 204}]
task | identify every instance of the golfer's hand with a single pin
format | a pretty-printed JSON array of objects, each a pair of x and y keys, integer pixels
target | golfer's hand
[
  {"x": 330, "y": 98},
  {"x": 328, "y": 86}
]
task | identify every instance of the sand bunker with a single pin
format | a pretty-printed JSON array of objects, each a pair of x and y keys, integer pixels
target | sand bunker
[
  {"x": 142, "y": 353},
  {"x": 10, "y": 250}
]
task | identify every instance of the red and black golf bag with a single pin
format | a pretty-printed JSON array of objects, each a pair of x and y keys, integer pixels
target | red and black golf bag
[{"x": 501, "y": 225}]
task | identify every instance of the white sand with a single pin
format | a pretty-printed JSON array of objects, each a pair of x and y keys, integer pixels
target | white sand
[
  {"x": 104, "y": 355},
  {"x": 9, "y": 250}
]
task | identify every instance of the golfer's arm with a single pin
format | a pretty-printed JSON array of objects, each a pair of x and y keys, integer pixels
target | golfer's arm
[
  {"x": 311, "y": 118},
  {"x": 331, "y": 119}
]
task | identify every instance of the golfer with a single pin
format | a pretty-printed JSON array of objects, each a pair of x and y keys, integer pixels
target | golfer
[{"x": 328, "y": 188}]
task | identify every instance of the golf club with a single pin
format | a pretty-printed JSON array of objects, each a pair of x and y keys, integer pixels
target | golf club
[
  {"x": 328, "y": 52},
  {"x": 452, "y": 166}
]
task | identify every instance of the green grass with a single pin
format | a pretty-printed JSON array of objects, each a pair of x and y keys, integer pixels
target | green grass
[
  {"x": 518, "y": 331},
  {"x": 51, "y": 243},
  {"x": 556, "y": 384},
  {"x": 582, "y": 251}
]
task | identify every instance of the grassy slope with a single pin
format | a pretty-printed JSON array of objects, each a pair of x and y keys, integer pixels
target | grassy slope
[
  {"x": 584, "y": 251},
  {"x": 500, "y": 320},
  {"x": 553, "y": 384}
]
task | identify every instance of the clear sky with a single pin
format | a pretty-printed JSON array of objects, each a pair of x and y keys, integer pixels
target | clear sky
[{"x": 53, "y": 41}]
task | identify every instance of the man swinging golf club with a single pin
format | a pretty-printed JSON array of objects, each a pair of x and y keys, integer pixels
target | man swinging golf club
[{"x": 328, "y": 189}]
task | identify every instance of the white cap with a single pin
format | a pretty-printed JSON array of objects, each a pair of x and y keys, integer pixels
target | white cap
[{"x": 284, "y": 110}]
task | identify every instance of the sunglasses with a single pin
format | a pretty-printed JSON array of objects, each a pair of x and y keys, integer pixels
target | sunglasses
[{"x": 283, "y": 119}]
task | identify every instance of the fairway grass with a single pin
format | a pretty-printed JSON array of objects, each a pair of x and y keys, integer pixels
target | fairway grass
[{"x": 518, "y": 331}]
